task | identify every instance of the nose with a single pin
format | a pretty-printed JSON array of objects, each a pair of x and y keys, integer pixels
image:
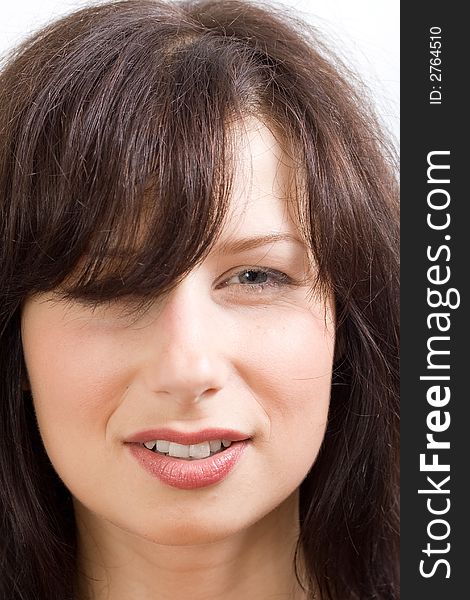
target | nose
[{"x": 187, "y": 361}]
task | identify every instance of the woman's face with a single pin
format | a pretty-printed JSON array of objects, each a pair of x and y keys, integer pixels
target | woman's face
[{"x": 240, "y": 344}]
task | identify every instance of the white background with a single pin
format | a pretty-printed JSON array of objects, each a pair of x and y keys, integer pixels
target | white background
[{"x": 364, "y": 32}]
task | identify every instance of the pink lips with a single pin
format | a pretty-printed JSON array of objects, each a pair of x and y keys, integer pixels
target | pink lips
[
  {"x": 187, "y": 438},
  {"x": 188, "y": 474}
]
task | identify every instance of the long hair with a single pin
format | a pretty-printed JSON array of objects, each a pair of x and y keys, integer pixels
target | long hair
[{"x": 115, "y": 134}]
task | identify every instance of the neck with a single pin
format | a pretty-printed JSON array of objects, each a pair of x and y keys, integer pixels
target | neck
[{"x": 256, "y": 563}]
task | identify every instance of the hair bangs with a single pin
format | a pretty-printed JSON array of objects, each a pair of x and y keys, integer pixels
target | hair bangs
[{"x": 138, "y": 188}]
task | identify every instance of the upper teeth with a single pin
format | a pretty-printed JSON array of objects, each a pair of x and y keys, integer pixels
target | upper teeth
[{"x": 202, "y": 450}]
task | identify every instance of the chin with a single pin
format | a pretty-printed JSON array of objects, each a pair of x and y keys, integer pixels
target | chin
[
  {"x": 189, "y": 533},
  {"x": 176, "y": 526}
]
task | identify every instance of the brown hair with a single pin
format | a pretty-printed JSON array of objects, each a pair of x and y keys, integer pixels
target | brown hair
[{"x": 121, "y": 115}]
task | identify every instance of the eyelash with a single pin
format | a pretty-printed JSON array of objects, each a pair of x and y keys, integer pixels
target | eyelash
[{"x": 279, "y": 279}]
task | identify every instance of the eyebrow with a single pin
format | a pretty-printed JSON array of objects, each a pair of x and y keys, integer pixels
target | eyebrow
[{"x": 244, "y": 244}]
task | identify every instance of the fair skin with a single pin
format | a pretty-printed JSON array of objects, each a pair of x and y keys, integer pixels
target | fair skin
[{"x": 207, "y": 355}]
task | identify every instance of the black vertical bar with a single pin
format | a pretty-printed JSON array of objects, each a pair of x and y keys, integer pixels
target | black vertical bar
[{"x": 434, "y": 120}]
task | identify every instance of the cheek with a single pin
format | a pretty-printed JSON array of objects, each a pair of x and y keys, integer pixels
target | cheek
[
  {"x": 290, "y": 375},
  {"x": 76, "y": 382}
]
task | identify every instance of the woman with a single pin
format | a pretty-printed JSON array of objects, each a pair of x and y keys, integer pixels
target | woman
[{"x": 198, "y": 313}]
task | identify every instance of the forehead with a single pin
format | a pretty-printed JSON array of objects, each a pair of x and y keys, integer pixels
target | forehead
[{"x": 263, "y": 183}]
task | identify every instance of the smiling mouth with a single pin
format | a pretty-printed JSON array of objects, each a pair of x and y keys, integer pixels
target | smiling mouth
[{"x": 188, "y": 452}]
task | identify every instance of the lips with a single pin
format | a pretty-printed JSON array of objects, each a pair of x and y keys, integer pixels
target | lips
[
  {"x": 188, "y": 474},
  {"x": 187, "y": 438}
]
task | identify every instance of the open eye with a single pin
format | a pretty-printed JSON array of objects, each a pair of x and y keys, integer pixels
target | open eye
[{"x": 257, "y": 278}]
